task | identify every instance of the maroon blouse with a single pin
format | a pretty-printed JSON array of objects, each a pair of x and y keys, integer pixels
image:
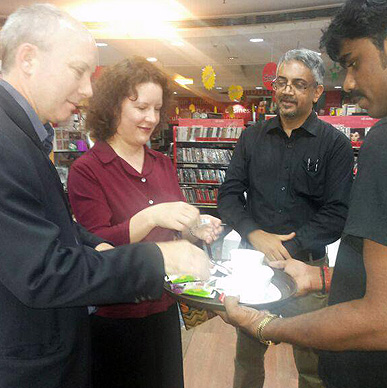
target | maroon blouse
[{"x": 105, "y": 192}]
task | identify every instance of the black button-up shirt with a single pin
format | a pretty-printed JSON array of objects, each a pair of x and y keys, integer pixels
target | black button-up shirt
[{"x": 296, "y": 184}]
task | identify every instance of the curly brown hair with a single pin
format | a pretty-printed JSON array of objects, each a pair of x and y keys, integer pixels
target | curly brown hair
[{"x": 116, "y": 83}]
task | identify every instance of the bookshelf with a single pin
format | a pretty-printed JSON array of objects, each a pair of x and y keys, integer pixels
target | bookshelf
[{"x": 202, "y": 150}]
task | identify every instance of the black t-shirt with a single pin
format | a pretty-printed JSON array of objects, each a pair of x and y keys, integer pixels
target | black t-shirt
[{"x": 367, "y": 219}]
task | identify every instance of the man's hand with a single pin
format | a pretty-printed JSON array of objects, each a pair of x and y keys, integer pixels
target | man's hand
[
  {"x": 270, "y": 244},
  {"x": 184, "y": 258},
  {"x": 103, "y": 247},
  {"x": 244, "y": 317},
  {"x": 307, "y": 277}
]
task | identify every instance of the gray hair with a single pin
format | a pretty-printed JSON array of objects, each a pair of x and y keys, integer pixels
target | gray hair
[
  {"x": 309, "y": 58},
  {"x": 35, "y": 24}
]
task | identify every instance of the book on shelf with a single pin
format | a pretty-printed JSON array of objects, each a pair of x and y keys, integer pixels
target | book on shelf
[
  {"x": 197, "y": 132},
  {"x": 200, "y": 195},
  {"x": 190, "y": 175},
  {"x": 203, "y": 155}
]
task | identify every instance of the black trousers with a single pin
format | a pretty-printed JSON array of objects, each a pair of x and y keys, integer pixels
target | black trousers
[{"x": 137, "y": 352}]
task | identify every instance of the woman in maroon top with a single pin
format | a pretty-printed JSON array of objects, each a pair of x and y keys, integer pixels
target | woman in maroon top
[{"x": 125, "y": 192}]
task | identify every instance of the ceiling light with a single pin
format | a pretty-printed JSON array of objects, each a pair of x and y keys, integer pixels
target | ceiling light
[
  {"x": 258, "y": 87},
  {"x": 337, "y": 87},
  {"x": 183, "y": 81},
  {"x": 178, "y": 43},
  {"x": 174, "y": 92},
  {"x": 256, "y": 40},
  {"x": 218, "y": 88},
  {"x": 101, "y": 44},
  {"x": 232, "y": 58},
  {"x": 151, "y": 59}
]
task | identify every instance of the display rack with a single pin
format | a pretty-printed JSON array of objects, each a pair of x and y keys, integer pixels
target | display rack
[
  {"x": 355, "y": 128},
  {"x": 202, "y": 150}
]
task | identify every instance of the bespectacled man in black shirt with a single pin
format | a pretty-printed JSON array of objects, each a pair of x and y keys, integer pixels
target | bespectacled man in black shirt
[
  {"x": 352, "y": 331},
  {"x": 296, "y": 171}
]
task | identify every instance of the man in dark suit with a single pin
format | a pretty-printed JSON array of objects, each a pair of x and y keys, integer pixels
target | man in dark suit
[{"x": 50, "y": 268}]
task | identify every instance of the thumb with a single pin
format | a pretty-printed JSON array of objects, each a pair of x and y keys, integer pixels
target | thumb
[
  {"x": 231, "y": 302},
  {"x": 279, "y": 264},
  {"x": 286, "y": 237}
]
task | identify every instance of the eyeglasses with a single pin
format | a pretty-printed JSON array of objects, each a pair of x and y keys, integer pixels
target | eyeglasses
[{"x": 298, "y": 85}]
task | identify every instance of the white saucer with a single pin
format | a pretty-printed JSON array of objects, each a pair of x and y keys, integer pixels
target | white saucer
[{"x": 272, "y": 293}]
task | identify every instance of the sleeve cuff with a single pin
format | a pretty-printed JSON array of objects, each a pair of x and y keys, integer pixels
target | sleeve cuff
[
  {"x": 245, "y": 227},
  {"x": 291, "y": 246}
]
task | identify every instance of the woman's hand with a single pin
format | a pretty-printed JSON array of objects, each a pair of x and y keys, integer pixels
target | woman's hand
[
  {"x": 208, "y": 229},
  {"x": 173, "y": 215}
]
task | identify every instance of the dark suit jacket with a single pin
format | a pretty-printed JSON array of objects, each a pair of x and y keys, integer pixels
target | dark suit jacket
[{"x": 47, "y": 273}]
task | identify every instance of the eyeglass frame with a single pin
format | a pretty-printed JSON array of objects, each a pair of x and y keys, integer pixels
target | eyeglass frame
[{"x": 292, "y": 86}]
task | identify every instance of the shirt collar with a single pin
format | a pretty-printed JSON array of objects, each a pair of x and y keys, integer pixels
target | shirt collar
[
  {"x": 106, "y": 154},
  {"x": 41, "y": 130},
  {"x": 309, "y": 125}
]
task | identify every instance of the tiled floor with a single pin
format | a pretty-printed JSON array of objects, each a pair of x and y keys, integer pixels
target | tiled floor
[{"x": 209, "y": 352}]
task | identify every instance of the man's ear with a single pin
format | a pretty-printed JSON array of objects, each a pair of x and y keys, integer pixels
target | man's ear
[
  {"x": 317, "y": 93},
  {"x": 26, "y": 57},
  {"x": 383, "y": 55}
]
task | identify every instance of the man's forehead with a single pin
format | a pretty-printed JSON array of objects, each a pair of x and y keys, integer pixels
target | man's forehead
[
  {"x": 294, "y": 69},
  {"x": 345, "y": 51}
]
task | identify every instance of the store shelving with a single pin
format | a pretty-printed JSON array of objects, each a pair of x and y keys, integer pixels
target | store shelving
[{"x": 202, "y": 150}]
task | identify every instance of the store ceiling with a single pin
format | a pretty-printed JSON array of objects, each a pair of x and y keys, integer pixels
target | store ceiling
[{"x": 211, "y": 31}]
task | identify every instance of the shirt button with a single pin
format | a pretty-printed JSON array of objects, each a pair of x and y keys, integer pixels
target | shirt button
[
  {"x": 290, "y": 145},
  {"x": 280, "y": 211},
  {"x": 283, "y": 188},
  {"x": 143, "y": 179},
  {"x": 286, "y": 167},
  {"x": 150, "y": 202}
]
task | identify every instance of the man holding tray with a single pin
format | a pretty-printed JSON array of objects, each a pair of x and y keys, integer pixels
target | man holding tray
[
  {"x": 296, "y": 171},
  {"x": 352, "y": 331}
]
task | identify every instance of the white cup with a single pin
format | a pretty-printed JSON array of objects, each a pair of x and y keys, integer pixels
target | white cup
[
  {"x": 250, "y": 279},
  {"x": 245, "y": 261}
]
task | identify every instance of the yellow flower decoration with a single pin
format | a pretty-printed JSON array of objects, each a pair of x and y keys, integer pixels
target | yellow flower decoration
[
  {"x": 192, "y": 108},
  {"x": 235, "y": 92},
  {"x": 177, "y": 110},
  {"x": 208, "y": 77}
]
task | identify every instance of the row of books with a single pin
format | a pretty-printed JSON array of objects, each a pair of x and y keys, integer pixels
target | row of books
[
  {"x": 199, "y": 195},
  {"x": 190, "y": 175},
  {"x": 195, "y": 132},
  {"x": 203, "y": 155}
]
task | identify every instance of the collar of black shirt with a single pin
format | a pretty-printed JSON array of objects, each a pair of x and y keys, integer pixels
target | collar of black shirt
[{"x": 309, "y": 124}]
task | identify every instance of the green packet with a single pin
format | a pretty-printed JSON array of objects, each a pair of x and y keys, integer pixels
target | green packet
[
  {"x": 182, "y": 279},
  {"x": 198, "y": 292},
  {"x": 198, "y": 289}
]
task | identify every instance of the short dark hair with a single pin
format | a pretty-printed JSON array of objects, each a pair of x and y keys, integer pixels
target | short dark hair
[
  {"x": 356, "y": 19},
  {"x": 114, "y": 85}
]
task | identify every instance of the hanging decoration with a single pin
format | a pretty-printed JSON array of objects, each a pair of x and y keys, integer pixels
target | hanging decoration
[
  {"x": 215, "y": 109},
  {"x": 335, "y": 72},
  {"x": 269, "y": 74},
  {"x": 208, "y": 77},
  {"x": 192, "y": 108},
  {"x": 235, "y": 92},
  {"x": 177, "y": 111}
]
